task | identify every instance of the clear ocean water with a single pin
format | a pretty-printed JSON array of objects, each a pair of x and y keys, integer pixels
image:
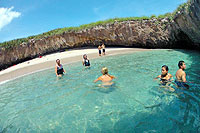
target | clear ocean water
[{"x": 40, "y": 102}]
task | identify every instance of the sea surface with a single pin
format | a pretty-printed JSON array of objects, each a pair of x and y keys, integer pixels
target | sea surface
[{"x": 41, "y": 102}]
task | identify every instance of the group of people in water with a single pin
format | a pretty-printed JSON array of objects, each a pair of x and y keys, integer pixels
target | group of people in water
[{"x": 165, "y": 77}]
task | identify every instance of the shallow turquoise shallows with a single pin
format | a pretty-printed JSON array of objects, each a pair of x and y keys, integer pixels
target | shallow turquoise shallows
[{"x": 40, "y": 102}]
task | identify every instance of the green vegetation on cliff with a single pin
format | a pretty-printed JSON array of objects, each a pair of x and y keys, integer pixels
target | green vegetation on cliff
[{"x": 58, "y": 31}]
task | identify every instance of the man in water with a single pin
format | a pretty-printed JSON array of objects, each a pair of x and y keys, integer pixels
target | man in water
[{"x": 181, "y": 75}]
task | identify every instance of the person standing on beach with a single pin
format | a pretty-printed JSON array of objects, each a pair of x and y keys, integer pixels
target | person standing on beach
[
  {"x": 86, "y": 61},
  {"x": 99, "y": 48},
  {"x": 59, "y": 69},
  {"x": 103, "y": 47},
  {"x": 181, "y": 75}
]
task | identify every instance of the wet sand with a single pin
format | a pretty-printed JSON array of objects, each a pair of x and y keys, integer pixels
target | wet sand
[{"x": 67, "y": 57}]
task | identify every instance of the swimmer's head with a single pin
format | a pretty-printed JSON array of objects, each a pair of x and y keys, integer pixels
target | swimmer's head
[
  {"x": 104, "y": 70},
  {"x": 181, "y": 65},
  {"x": 84, "y": 56},
  {"x": 164, "y": 69},
  {"x": 58, "y": 61}
]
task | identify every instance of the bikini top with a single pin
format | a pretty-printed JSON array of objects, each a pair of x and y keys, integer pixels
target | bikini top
[
  {"x": 59, "y": 67},
  {"x": 163, "y": 78},
  {"x": 86, "y": 62}
]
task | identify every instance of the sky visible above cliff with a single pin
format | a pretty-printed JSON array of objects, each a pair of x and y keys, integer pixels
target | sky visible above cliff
[{"x": 23, "y": 18}]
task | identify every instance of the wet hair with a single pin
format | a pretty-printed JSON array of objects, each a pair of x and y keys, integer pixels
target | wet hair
[
  {"x": 180, "y": 63},
  {"x": 104, "y": 70},
  {"x": 166, "y": 67}
]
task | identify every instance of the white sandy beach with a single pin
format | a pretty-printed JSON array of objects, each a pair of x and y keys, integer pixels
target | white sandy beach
[{"x": 48, "y": 61}]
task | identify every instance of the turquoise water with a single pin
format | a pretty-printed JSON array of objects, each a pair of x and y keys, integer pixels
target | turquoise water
[{"x": 40, "y": 102}]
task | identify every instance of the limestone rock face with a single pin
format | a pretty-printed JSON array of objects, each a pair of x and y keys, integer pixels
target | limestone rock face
[
  {"x": 183, "y": 31},
  {"x": 187, "y": 21}
]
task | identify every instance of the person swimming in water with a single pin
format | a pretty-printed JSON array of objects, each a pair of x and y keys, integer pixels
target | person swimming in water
[
  {"x": 59, "y": 69},
  {"x": 105, "y": 78},
  {"x": 165, "y": 78},
  {"x": 86, "y": 61},
  {"x": 181, "y": 75}
]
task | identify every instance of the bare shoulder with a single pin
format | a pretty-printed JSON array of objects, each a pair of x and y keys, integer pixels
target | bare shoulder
[
  {"x": 112, "y": 76},
  {"x": 100, "y": 78},
  {"x": 183, "y": 73},
  {"x": 179, "y": 72}
]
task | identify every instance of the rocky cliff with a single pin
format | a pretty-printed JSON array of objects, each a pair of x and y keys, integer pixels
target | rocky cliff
[
  {"x": 186, "y": 23},
  {"x": 180, "y": 31}
]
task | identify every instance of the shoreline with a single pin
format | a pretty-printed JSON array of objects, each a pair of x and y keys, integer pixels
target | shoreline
[{"x": 66, "y": 57}]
